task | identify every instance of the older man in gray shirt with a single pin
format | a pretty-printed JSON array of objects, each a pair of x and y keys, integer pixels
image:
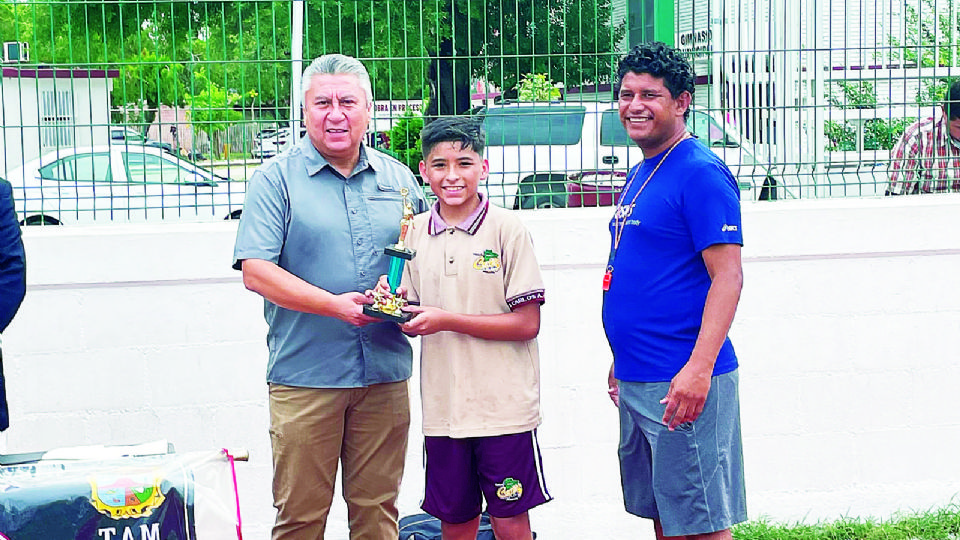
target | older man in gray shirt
[{"x": 314, "y": 225}]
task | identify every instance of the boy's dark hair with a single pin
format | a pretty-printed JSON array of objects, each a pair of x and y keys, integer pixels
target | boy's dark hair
[
  {"x": 660, "y": 61},
  {"x": 466, "y": 130},
  {"x": 951, "y": 101}
]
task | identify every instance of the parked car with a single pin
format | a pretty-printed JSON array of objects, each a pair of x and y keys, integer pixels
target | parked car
[
  {"x": 130, "y": 135},
  {"x": 268, "y": 132},
  {"x": 267, "y": 144},
  {"x": 120, "y": 183},
  {"x": 563, "y": 154}
]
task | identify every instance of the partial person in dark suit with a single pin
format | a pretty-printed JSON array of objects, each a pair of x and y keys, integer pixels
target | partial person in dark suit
[{"x": 13, "y": 280}]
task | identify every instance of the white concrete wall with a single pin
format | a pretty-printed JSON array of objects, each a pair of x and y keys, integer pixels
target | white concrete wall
[{"x": 847, "y": 334}]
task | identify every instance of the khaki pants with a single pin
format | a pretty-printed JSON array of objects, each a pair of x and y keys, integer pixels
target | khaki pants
[{"x": 311, "y": 430}]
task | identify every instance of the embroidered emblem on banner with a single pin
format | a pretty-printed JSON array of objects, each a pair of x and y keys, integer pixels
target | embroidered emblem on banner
[
  {"x": 488, "y": 262},
  {"x": 509, "y": 490},
  {"x": 126, "y": 497}
]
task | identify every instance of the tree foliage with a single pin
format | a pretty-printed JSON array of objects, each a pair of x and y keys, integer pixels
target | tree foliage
[
  {"x": 933, "y": 92},
  {"x": 536, "y": 87},
  {"x": 932, "y": 31},
  {"x": 407, "y": 45},
  {"x": 878, "y": 134},
  {"x": 152, "y": 79},
  {"x": 386, "y": 35},
  {"x": 245, "y": 46},
  {"x": 856, "y": 95},
  {"x": 213, "y": 108},
  {"x": 405, "y": 140}
]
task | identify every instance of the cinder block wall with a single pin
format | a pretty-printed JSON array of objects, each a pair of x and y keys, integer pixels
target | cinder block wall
[{"x": 847, "y": 334}]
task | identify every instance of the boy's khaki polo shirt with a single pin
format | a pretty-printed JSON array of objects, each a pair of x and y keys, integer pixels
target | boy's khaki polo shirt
[{"x": 473, "y": 387}]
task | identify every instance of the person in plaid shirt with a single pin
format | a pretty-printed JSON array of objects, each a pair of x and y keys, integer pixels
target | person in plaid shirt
[{"x": 927, "y": 158}]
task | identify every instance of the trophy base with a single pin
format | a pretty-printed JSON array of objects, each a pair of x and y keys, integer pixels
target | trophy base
[{"x": 371, "y": 311}]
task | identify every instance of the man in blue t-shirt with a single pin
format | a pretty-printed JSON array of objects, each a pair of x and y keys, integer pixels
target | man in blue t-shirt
[{"x": 671, "y": 287}]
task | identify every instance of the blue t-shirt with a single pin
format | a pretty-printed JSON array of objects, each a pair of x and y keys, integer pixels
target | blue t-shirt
[
  {"x": 330, "y": 231},
  {"x": 653, "y": 309}
]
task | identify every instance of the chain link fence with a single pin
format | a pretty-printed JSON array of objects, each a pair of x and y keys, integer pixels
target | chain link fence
[{"x": 136, "y": 109}]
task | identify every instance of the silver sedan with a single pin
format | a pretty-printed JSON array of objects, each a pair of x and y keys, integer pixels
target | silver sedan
[{"x": 121, "y": 182}]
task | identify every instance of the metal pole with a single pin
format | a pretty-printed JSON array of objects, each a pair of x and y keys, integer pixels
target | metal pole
[{"x": 296, "y": 66}]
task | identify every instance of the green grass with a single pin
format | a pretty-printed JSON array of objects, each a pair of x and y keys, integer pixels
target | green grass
[{"x": 939, "y": 524}]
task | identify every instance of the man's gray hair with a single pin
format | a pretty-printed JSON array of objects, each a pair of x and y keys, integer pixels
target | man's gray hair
[{"x": 336, "y": 64}]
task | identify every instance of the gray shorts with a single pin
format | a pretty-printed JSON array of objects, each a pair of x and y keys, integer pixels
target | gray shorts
[{"x": 689, "y": 479}]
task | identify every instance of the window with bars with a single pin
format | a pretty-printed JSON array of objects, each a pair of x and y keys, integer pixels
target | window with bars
[{"x": 56, "y": 118}]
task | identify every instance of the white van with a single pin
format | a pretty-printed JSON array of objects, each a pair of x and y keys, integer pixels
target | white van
[{"x": 562, "y": 154}]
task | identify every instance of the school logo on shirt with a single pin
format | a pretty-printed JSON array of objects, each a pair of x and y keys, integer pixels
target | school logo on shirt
[
  {"x": 509, "y": 490},
  {"x": 488, "y": 262},
  {"x": 126, "y": 497}
]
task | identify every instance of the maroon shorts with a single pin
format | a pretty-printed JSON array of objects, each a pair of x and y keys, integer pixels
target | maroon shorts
[{"x": 506, "y": 470}]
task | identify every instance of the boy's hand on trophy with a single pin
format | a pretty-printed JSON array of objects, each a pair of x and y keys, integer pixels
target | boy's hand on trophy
[{"x": 383, "y": 289}]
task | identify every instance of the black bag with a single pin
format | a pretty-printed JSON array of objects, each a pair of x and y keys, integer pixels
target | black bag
[{"x": 427, "y": 527}]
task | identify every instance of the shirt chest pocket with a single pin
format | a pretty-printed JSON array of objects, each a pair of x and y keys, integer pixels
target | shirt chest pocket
[{"x": 384, "y": 210}]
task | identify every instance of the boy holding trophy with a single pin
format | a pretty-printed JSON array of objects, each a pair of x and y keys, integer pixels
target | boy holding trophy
[{"x": 475, "y": 290}]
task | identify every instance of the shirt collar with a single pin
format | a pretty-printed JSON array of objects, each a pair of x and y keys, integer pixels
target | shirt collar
[
  {"x": 315, "y": 162},
  {"x": 470, "y": 225}
]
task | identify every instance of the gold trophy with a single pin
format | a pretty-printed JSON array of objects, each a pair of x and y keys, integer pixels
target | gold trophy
[{"x": 387, "y": 306}]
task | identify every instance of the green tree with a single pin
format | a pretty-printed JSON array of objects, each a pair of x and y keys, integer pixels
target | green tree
[
  {"x": 933, "y": 92},
  {"x": 405, "y": 140},
  {"x": 213, "y": 108},
  {"x": 410, "y": 46},
  {"x": 878, "y": 133},
  {"x": 840, "y": 136},
  {"x": 152, "y": 80},
  {"x": 146, "y": 42},
  {"x": 385, "y": 34},
  {"x": 856, "y": 95},
  {"x": 573, "y": 41},
  {"x": 245, "y": 46},
  {"x": 536, "y": 87},
  {"x": 933, "y": 30}
]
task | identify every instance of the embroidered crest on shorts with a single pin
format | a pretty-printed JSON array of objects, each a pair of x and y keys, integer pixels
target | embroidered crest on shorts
[
  {"x": 509, "y": 490},
  {"x": 488, "y": 261}
]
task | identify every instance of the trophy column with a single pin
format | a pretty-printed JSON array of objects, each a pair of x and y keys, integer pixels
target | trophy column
[{"x": 387, "y": 306}]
